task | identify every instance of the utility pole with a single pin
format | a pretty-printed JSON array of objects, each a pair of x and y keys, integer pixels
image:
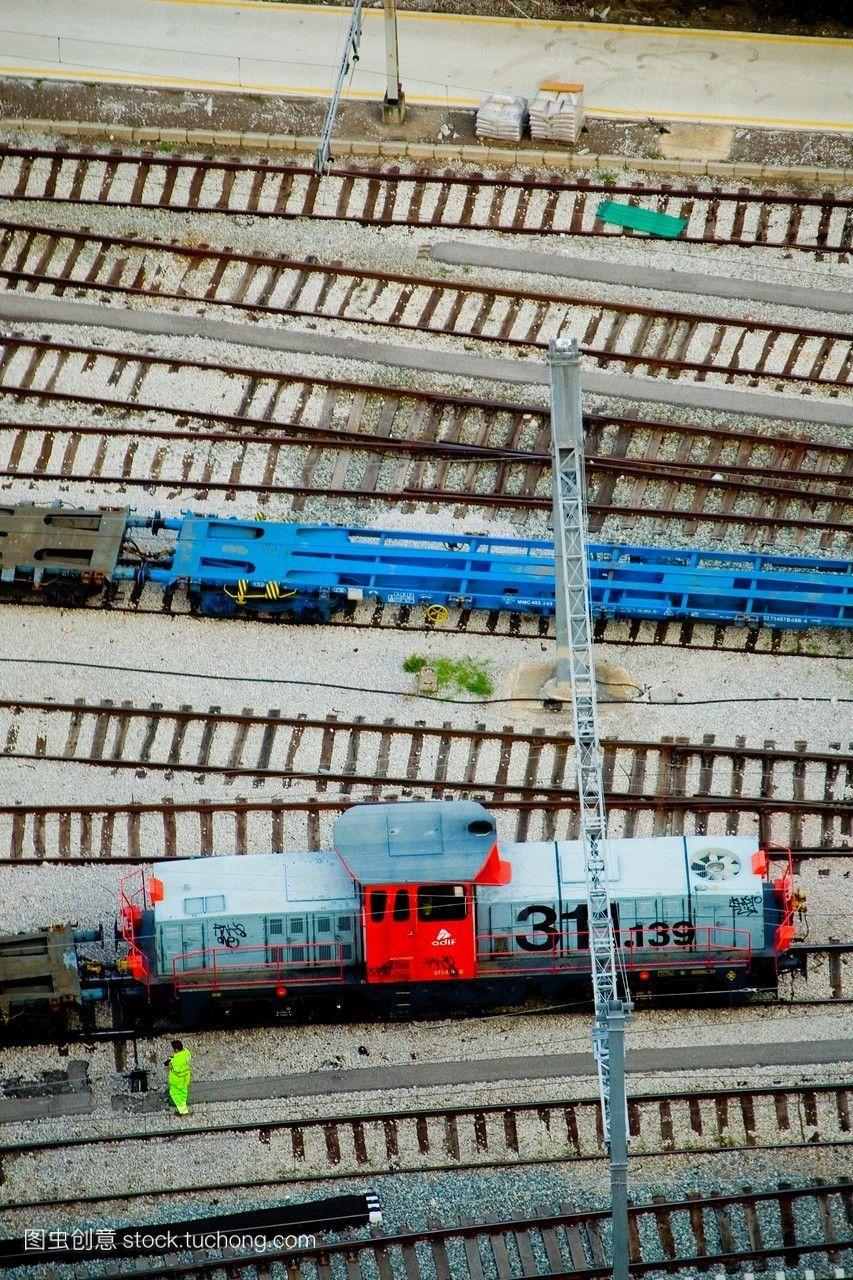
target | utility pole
[
  {"x": 394, "y": 106},
  {"x": 575, "y": 665}
]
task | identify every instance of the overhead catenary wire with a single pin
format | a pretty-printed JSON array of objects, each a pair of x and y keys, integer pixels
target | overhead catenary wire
[{"x": 220, "y": 677}]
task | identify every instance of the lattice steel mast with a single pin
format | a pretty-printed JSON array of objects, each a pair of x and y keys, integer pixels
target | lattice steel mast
[{"x": 575, "y": 666}]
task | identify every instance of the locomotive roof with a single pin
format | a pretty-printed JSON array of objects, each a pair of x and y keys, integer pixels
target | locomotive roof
[
  {"x": 263, "y": 884},
  {"x": 639, "y": 867},
  {"x": 415, "y": 841}
]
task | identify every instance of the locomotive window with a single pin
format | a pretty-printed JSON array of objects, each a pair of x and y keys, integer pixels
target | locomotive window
[
  {"x": 323, "y": 924},
  {"x": 401, "y": 904},
  {"x": 276, "y": 926},
  {"x": 201, "y": 906},
  {"x": 297, "y": 924},
  {"x": 378, "y": 902},
  {"x": 344, "y": 924},
  {"x": 442, "y": 902}
]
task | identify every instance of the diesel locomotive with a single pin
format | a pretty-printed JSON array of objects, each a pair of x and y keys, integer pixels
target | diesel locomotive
[{"x": 419, "y": 906}]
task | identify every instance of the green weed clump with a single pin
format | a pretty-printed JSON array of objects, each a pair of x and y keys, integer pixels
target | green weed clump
[{"x": 463, "y": 676}]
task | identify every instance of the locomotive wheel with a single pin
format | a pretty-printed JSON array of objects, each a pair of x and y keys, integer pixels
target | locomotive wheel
[{"x": 67, "y": 595}]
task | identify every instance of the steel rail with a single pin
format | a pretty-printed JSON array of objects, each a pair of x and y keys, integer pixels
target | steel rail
[
  {"x": 60, "y": 284},
  {"x": 397, "y": 1170},
  {"x": 690, "y": 475},
  {"x": 201, "y": 252},
  {"x": 316, "y": 804},
  {"x": 464, "y": 497},
  {"x": 434, "y": 286},
  {"x": 560, "y": 796},
  {"x": 712, "y": 474},
  {"x": 436, "y": 1239},
  {"x": 540, "y": 1107},
  {"x": 391, "y": 179},
  {"x": 596, "y": 422},
  {"x": 671, "y": 748}
]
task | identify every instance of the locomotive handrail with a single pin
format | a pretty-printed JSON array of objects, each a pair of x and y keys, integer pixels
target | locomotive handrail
[
  {"x": 568, "y": 949},
  {"x": 271, "y": 966},
  {"x": 790, "y": 900},
  {"x": 132, "y": 902}
]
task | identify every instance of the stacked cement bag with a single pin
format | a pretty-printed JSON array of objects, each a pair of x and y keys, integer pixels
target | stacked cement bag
[
  {"x": 502, "y": 117},
  {"x": 556, "y": 114}
]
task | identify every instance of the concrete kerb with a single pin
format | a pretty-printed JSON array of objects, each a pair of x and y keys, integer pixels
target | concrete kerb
[{"x": 482, "y": 156}]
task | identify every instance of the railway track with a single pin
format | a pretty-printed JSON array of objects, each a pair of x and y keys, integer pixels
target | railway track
[
  {"x": 654, "y": 788},
  {"x": 481, "y": 481},
  {"x": 435, "y": 1140},
  {"x": 701, "y": 636},
  {"x": 449, "y": 201},
  {"x": 290, "y": 440},
  {"x": 791, "y": 1226},
  {"x": 33, "y": 834},
  {"x": 651, "y": 341}
]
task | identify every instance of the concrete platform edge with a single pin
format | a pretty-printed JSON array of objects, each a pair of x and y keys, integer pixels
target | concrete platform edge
[
  {"x": 483, "y": 156},
  {"x": 39, "y": 310},
  {"x": 511, "y": 258},
  {"x": 17, "y": 1110},
  {"x": 493, "y": 1071}
]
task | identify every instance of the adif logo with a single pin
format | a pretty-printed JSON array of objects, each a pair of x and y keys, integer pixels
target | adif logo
[{"x": 444, "y": 939}]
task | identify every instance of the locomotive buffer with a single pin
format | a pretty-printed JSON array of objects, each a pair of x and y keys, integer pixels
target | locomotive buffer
[{"x": 575, "y": 665}]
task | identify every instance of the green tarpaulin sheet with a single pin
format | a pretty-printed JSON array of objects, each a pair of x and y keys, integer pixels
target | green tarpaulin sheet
[{"x": 628, "y": 215}]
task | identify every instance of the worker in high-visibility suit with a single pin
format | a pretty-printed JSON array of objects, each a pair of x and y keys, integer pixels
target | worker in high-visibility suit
[{"x": 179, "y": 1076}]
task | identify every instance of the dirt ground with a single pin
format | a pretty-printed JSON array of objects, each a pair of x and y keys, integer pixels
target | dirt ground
[
  {"x": 243, "y": 112},
  {"x": 788, "y": 17}
]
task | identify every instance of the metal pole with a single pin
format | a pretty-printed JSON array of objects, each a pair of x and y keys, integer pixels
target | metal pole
[
  {"x": 394, "y": 107},
  {"x": 567, "y": 434},
  {"x": 323, "y": 154},
  {"x": 575, "y": 666},
  {"x": 616, "y": 1019}
]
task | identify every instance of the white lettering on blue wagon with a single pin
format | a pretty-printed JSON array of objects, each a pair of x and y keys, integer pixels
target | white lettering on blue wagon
[{"x": 401, "y": 597}]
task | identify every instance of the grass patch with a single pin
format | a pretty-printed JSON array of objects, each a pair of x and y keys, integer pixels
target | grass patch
[{"x": 464, "y": 676}]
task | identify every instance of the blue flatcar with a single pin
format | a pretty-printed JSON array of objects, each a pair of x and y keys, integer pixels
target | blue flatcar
[{"x": 231, "y": 567}]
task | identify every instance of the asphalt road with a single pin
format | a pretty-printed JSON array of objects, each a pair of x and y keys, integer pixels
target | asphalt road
[{"x": 455, "y": 60}]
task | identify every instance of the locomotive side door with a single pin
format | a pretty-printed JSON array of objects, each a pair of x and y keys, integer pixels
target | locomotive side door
[
  {"x": 388, "y": 933},
  {"x": 444, "y": 932},
  {"x": 193, "y": 943},
  {"x": 419, "y": 933}
]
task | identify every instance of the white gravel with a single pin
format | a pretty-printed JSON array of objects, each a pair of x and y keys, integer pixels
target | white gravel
[{"x": 202, "y": 653}]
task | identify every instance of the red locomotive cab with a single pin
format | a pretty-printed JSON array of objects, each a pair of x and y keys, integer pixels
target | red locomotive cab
[
  {"x": 419, "y": 933},
  {"x": 418, "y": 865}
]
